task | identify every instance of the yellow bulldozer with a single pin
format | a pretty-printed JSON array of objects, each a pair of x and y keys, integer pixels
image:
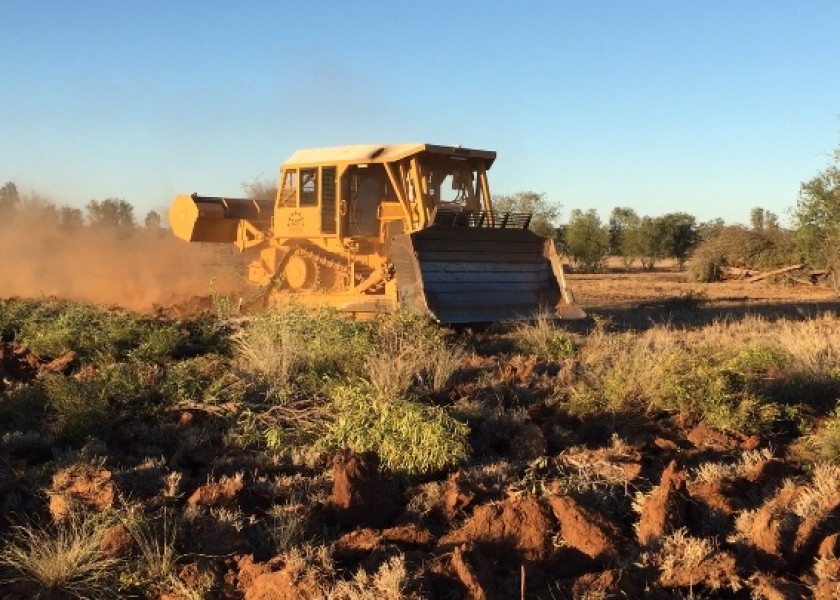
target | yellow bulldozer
[{"x": 367, "y": 228}]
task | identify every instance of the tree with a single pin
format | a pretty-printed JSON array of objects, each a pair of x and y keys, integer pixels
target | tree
[
  {"x": 763, "y": 220},
  {"x": 817, "y": 217},
  {"x": 757, "y": 219},
  {"x": 70, "y": 218},
  {"x": 111, "y": 212},
  {"x": 260, "y": 189},
  {"x": 710, "y": 229},
  {"x": 544, "y": 213},
  {"x": 9, "y": 197},
  {"x": 677, "y": 236},
  {"x": 152, "y": 220},
  {"x": 623, "y": 237},
  {"x": 34, "y": 204},
  {"x": 587, "y": 240},
  {"x": 649, "y": 239},
  {"x": 670, "y": 236}
]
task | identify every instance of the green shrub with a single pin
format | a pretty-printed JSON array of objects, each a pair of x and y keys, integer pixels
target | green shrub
[
  {"x": 722, "y": 387},
  {"x": 208, "y": 379},
  {"x": 158, "y": 342},
  {"x": 23, "y": 408},
  {"x": 335, "y": 343},
  {"x": 824, "y": 443},
  {"x": 205, "y": 335},
  {"x": 77, "y": 410},
  {"x": 133, "y": 385},
  {"x": 727, "y": 387},
  {"x": 737, "y": 246},
  {"x": 96, "y": 336},
  {"x": 14, "y": 312},
  {"x": 706, "y": 267},
  {"x": 50, "y": 328},
  {"x": 758, "y": 359},
  {"x": 616, "y": 374},
  {"x": 689, "y": 380},
  {"x": 408, "y": 437}
]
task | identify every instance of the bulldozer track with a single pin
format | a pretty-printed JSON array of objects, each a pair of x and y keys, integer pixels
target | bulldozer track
[{"x": 320, "y": 259}]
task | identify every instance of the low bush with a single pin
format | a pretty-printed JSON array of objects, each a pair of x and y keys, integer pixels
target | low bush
[
  {"x": 279, "y": 348},
  {"x": 544, "y": 339},
  {"x": 616, "y": 372},
  {"x": 410, "y": 353},
  {"x": 158, "y": 342},
  {"x": 202, "y": 379},
  {"x": 740, "y": 247},
  {"x": 408, "y": 437},
  {"x": 725, "y": 385},
  {"x": 823, "y": 444},
  {"x": 49, "y": 328},
  {"x": 95, "y": 335},
  {"x": 22, "y": 408},
  {"x": 76, "y": 410}
]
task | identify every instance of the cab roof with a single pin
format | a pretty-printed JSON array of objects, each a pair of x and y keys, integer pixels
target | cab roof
[{"x": 381, "y": 153}]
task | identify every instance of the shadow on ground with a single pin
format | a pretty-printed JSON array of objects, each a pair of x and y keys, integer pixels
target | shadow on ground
[{"x": 688, "y": 312}]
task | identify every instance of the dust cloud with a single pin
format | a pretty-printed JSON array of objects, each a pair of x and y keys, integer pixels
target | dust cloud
[{"x": 136, "y": 269}]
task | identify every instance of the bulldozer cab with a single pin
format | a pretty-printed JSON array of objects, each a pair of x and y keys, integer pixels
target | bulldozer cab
[{"x": 364, "y": 191}]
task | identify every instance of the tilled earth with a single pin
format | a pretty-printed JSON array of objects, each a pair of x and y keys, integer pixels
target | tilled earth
[
  {"x": 551, "y": 516},
  {"x": 558, "y": 507}
]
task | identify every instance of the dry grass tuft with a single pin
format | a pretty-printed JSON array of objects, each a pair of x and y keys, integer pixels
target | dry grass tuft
[
  {"x": 393, "y": 374},
  {"x": 426, "y": 498},
  {"x": 65, "y": 558},
  {"x": 743, "y": 530},
  {"x": 410, "y": 353},
  {"x": 388, "y": 583},
  {"x": 820, "y": 493},
  {"x": 687, "y": 561},
  {"x": 157, "y": 556},
  {"x": 270, "y": 353},
  {"x": 713, "y": 472},
  {"x": 683, "y": 552},
  {"x": 286, "y": 526}
]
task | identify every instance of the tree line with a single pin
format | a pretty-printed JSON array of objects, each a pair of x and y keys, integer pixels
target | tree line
[
  {"x": 813, "y": 240},
  {"x": 588, "y": 241},
  {"x": 115, "y": 213}
]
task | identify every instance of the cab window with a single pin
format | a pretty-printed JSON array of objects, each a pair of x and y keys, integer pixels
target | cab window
[
  {"x": 309, "y": 187},
  {"x": 288, "y": 191}
]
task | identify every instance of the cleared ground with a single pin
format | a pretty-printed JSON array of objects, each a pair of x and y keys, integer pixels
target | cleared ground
[{"x": 683, "y": 444}]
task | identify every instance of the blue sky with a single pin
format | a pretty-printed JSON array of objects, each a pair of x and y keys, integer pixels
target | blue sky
[{"x": 706, "y": 107}]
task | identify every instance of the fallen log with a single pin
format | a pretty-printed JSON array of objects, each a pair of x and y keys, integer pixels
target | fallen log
[{"x": 788, "y": 269}]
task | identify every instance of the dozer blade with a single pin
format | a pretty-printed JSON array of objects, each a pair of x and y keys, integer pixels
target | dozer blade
[{"x": 478, "y": 275}]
